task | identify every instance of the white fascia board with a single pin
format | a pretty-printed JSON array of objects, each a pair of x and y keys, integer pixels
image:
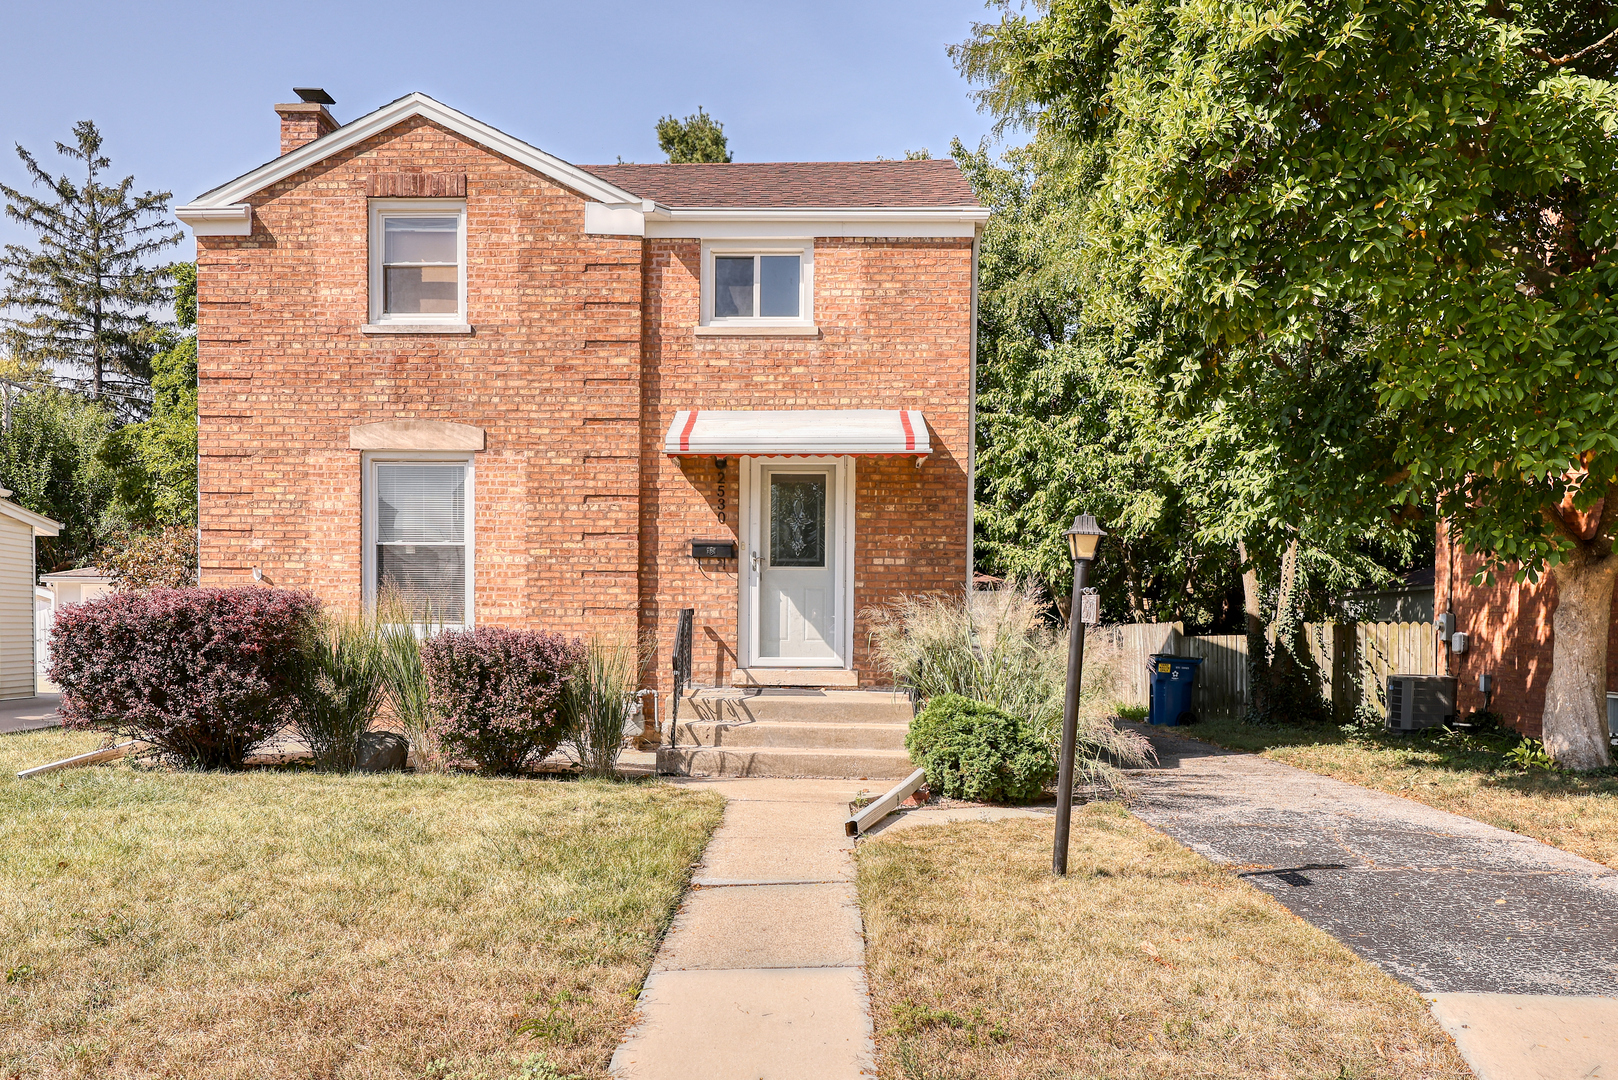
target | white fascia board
[
  {"x": 602, "y": 219},
  {"x": 68, "y": 577},
  {"x": 839, "y": 213},
  {"x": 217, "y": 220},
  {"x": 728, "y": 223},
  {"x": 412, "y": 105},
  {"x": 42, "y": 525}
]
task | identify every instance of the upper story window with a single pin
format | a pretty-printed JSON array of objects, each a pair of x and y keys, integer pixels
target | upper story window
[
  {"x": 765, "y": 285},
  {"x": 418, "y": 261}
]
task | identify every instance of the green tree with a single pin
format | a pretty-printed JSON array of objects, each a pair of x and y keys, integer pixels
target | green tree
[
  {"x": 86, "y": 290},
  {"x": 153, "y": 465},
  {"x": 697, "y": 138},
  {"x": 48, "y": 460},
  {"x": 1071, "y": 421},
  {"x": 1438, "y": 178}
]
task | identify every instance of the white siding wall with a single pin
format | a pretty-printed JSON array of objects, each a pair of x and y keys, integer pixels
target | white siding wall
[{"x": 16, "y": 609}]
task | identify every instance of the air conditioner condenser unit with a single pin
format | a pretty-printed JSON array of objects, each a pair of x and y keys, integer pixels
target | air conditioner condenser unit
[{"x": 1416, "y": 702}]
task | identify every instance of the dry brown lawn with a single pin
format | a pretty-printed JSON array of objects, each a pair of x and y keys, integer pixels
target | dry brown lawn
[
  {"x": 1465, "y": 775},
  {"x": 1146, "y": 962},
  {"x": 297, "y": 925}
]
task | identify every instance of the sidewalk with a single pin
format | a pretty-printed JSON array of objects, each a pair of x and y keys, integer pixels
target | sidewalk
[
  {"x": 762, "y": 975},
  {"x": 1511, "y": 939},
  {"x": 29, "y": 714}
]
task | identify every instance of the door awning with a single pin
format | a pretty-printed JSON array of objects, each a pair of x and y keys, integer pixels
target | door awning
[{"x": 798, "y": 432}]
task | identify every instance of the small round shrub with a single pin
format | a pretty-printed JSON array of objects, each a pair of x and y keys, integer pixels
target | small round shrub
[
  {"x": 203, "y": 675},
  {"x": 976, "y": 751},
  {"x": 498, "y": 693}
]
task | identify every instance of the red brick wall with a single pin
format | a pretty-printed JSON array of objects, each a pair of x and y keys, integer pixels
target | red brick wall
[
  {"x": 582, "y": 352},
  {"x": 1509, "y": 635},
  {"x": 895, "y": 319},
  {"x": 552, "y": 373}
]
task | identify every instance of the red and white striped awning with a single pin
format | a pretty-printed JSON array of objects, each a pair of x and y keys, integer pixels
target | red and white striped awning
[{"x": 798, "y": 432}]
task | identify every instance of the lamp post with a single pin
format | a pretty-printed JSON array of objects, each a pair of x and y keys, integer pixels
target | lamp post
[{"x": 1082, "y": 540}]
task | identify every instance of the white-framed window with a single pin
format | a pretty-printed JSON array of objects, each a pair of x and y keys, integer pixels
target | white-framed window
[
  {"x": 762, "y": 284},
  {"x": 418, "y": 534},
  {"x": 418, "y": 261}
]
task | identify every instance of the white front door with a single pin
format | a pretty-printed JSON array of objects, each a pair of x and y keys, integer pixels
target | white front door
[{"x": 797, "y": 563}]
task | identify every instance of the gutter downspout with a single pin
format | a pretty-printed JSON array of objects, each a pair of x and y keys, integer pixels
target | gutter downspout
[{"x": 972, "y": 424}]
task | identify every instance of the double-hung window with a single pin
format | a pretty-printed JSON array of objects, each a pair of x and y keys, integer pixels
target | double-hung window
[
  {"x": 418, "y": 261},
  {"x": 762, "y": 285},
  {"x": 418, "y": 533}
]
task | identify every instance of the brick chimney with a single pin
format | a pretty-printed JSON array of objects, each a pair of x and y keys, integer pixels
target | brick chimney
[{"x": 307, "y": 120}]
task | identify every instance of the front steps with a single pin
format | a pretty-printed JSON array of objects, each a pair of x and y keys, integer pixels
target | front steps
[{"x": 845, "y": 734}]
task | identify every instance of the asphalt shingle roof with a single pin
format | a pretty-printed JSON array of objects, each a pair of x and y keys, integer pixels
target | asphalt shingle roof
[{"x": 796, "y": 184}]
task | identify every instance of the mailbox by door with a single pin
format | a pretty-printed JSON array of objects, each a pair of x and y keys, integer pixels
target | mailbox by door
[{"x": 713, "y": 549}]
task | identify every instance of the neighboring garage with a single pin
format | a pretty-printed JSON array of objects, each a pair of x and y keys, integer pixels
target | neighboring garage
[{"x": 18, "y": 528}]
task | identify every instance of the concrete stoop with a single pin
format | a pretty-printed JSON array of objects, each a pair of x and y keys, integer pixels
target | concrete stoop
[{"x": 849, "y": 734}]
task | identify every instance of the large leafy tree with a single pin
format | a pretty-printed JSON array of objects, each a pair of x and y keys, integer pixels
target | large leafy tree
[
  {"x": 48, "y": 460},
  {"x": 85, "y": 292},
  {"x": 1438, "y": 180},
  {"x": 1072, "y": 420},
  {"x": 153, "y": 465},
  {"x": 698, "y": 138}
]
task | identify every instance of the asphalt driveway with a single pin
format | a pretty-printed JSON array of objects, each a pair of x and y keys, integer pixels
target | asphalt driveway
[{"x": 1443, "y": 902}]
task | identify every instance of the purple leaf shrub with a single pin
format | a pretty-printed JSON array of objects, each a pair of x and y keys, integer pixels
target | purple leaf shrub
[
  {"x": 498, "y": 693},
  {"x": 204, "y": 675}
]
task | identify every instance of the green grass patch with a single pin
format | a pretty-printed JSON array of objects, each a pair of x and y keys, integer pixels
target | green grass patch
[
  {"x": 1146, "y": 961},
  {"x": 292, "y": 923}
]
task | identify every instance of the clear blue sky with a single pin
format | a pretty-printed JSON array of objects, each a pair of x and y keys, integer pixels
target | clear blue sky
[{"x": 183, "y": 91}]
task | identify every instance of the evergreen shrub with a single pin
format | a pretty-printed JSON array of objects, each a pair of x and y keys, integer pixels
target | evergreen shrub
[
  {"x": 203, "y": 675},
  {"x": 976, "y": 751},
  {"x": 498, "y": 693}
]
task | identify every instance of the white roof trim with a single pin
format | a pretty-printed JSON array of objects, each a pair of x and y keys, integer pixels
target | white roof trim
[
  {"x": 798, "y": 432},
  {"x": 218, "y": 220},
  {"x": 42, "y": 525},
  {"x": 715, "y": 223},
  {"x": 828, "y": 213},
  {"x": 228, "y": 196},
  {"x": 73, "y": 577}
]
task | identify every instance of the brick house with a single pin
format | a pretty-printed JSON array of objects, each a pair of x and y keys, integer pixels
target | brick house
[
  {"x": 435, "y": 357},
  {"x": 1508, "y": 629}
]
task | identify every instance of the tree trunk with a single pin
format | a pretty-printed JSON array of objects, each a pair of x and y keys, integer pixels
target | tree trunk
[
  {"x": 1575, "y": 719},
  {"x": 1251, "y": 604},
  {"x": 1283, "y": 596}
]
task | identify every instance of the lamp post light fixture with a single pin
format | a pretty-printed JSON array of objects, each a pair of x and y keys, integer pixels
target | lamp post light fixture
[{"x": 1082, "y": 540}]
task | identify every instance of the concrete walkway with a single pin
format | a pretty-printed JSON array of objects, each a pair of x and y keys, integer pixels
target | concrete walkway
[
  {"x": 1511, "y": 939},
  {"x": 762, "y": 975}
]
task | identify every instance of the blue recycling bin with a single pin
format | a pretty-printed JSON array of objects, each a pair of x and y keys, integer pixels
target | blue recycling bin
[{"x": 1172, "y": 680}]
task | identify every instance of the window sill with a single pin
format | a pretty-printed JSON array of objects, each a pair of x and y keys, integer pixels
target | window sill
[
  {"x": 416, "y": 328},
  {"x": 758, "y": 331}
]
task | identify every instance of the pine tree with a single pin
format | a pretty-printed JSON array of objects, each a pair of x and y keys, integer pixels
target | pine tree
[
  {"x": 87, "y": 289},
  {"x": 697, "y": 138}
]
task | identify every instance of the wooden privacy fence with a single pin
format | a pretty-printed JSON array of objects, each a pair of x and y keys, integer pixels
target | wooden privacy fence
[
  {"x": 1135, "y": 642},
  {"x": 1351, "y": 660}
]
